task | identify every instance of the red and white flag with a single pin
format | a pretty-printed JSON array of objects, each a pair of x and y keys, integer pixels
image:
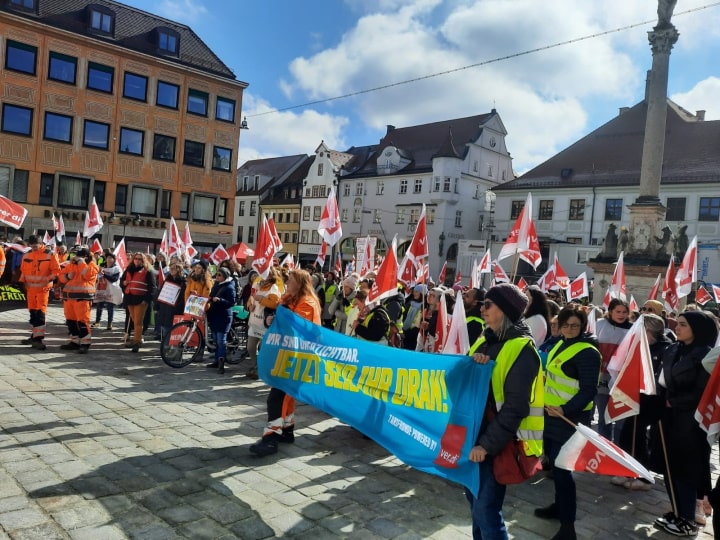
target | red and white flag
[
  {"x": 523, "y": 239},
  {"x": 458, "y": 278},
  {"x": 522, "y": 284},
  {"x": 485, "y": 264},
  {"x": 78, "y": 239},
  {"x": 457, "y": 341},
  {"x": 96, "y": 246},
  {"x": 174, "y": 240},
  {"x": 633, "y": 305},
  {"x": 655, "y": 288},
  {"x": 288, "y": 261},
  {"x": 586, "y": 451},
  {"x": 406, "y": 271},
  {"x": 443, "y": 274},
  {"x": 338, "y": 264},
  {"x": 632, "y": 363},
  {"x": 187, "y": 242},
  {"x": 12, "y": 214},
  {"x": 264, "y": 251},
  {"x": 423, "y": 272},
  {"x": 716, "y": 293},
  {"x": 47, "y": 239},
  {"x": 385, "y": 284},
  {"x": 320, "y": 260},
  {"x": 330, "y": 228},
  {"x": 58, "y": 226},
  {"x": 669, "y": 291},
  {"x": 592, "y": 322},
  {"x": 219, "y": 254},
  {"x": 366, "y": 265},
  {"x": 702, "y": 297},
  {"x": 618, "y": 287},
  {"x": 93, "y": 221},
  {"x": 419, "y": 245},
  {"x": 561, "y": 278},
  {"x": 164, "y": 243},
  {"x": 547, "y": 280},
  {"x": 708, "y": 411},
  {"x": 474, "y": 275},
  {"x": 687, "y": 271},
  {"x": 500, "y": 275},
  {"x": 121, "y": 257},
  {"x": 277, "y": 243},
  {"x": 578, "y": 288},
  {"x": 441, "y": 325}
]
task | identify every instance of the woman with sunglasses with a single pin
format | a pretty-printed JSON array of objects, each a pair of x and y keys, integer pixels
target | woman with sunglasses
[
  {"x": 573, "y": 367},
  {"x": 514, "y": 404},
  {"x": 139, "y": 286}
]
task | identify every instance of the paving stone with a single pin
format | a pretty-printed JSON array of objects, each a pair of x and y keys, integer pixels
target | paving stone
[
  {"x": 21, "y": 519},
  {"x": 252, "y": 529}
]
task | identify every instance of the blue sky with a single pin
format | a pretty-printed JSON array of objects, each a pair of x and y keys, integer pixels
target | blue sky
[{"x": 292, "y": 52}]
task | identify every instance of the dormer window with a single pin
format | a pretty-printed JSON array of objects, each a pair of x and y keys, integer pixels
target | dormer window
[
  {"x": 25, "y": 5},
  {"x": 101, "y": 19},
  {"x": 168, "y": 41}
]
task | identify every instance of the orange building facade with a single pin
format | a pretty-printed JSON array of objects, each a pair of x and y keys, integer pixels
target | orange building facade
[{"x": 114, "y": 103}]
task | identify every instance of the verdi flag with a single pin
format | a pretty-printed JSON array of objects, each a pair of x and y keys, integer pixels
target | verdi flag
[{"x": 424, "y": 408}]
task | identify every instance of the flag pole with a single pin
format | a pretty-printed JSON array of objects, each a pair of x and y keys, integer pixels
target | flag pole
[
  {"x": 516, "y": 262},
  {"x": 669, "y": 482}
]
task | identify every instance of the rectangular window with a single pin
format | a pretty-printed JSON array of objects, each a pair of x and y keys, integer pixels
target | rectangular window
[
  {"x": 317, "y": 211},
  {"x": 315, "y": 237},
  {"x": 102, "y": 22},
  {"x": 296, "y": 217},
  {"x": 456, "y": 183},
  {"x": 256, "y": 180},
  {"x": 400, "y": 216},
  {"x": 16, "y": 119},
  {"x": 303, "y": 236},
  {"x": 167, "y": 95},
  {"x": 574, "y": 240},
  {"x": 167, "y": 41},
  {"x": 458, "y": 218},
  {"x": 121, "y": 191},
  {"x": 165, "y": 203},
  {"x": 225, "y": 109},
  {"x": 73, "y": 192},
  {"x": 403, "y": 186},
  {"x": 306, "y": 213},
  {"x": 222, "y": 210},
  {"x": 222, "y": 158},
  {"x": 437, "y": 184},
  {"x": 143, "y": 201},
  {"x": 99, "y": 194},
  {"x": 163, "y": 148},
  {"x": 47, "y": 186},
  {"x": 356, "y": 215},
  {"x": 675, "y": 209},
  {"x": 184, "y": 206},
  {"x": 414, "y": 216},
  {"x": 545, "y": 212},
  {"x": 418, "y": 185},
  {"x": 377, "y": 217},
  {"x": 251, "y": 235},
  {"x": 96, "y": 134},
  {"x": 58, "y": 127},
  {"x": 131, "y": 141},
  {"x": 135, "y": 87},
  {"x": 194, "y": 154},
  {"x": 253, "y": 208},
  {"x": 100, "y": 77},
  {"x": 20, "y": 186},
  {"x": 320, "y": 169},
  {"x": 294, "y": 238},
  {"x": 241, "y": 208},
  {"x": 197, "y": 102},
  {"x": 204, "y": 208},
  {"x": 613, "y": 209},
  {"x": 346, "y": 190},
  {"x": 430, "y": 214},
  {"x": 577, "y": 210},
  {"x": 515, "y": 209},
  {"x": 358, "y": 189},
  {"x": 380, "y": 188},
  {"x": 28, "y": 5},
  {"x": 344, "y": 215},
  {"x": 240, "y": 232},
  {"x": 709, "y": 209},
  {"x": 62, "y": 68},
  {"x": 20, "y": 57},
  {"x": 446, "y": 184}
]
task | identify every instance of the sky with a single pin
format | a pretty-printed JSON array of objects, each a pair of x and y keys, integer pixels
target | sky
[{"x": 292, "y": 53}]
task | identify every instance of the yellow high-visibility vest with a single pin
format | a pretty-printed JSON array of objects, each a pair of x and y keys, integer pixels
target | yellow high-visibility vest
[{"x": 559, "y": 388}]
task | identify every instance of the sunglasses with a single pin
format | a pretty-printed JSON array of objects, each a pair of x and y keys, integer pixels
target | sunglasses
[
  {"x": 487, "y": 304},
  {"x": 646, "y": 309}
]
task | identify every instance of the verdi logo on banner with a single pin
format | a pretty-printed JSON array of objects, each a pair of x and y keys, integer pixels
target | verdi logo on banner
[{"x": 11, "y": 298}]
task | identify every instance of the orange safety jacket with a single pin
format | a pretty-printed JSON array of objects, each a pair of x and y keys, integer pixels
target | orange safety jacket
[
  {"x": 38, "y": 268},
  {"x": 79, "y": 279}
]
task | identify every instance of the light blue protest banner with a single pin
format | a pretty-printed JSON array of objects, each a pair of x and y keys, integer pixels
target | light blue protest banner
[{"x": 424, "y": 408}]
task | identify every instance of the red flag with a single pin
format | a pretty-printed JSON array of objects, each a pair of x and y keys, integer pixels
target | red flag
[
  {"x": 500, "y": 275},
  {"x": 58, "y": 226},
  {"x": 578, "y": 288},
  {"x": 288, "y": 261},
  {"x": 485, "y": 265},
  {"x": 46, "y": 238},
  {"x": 385, "y": 284},
  {"x": 338, "y": 263},
  {"x": 522, "y": 239},
  {"x": 702, "y": 297},
  {"x": 164, "y": 243},
  {"x": 633, "y": 364},
  {"x": 547, "y": 280},
  {"x": 441, "y": 325},
  {"x": 96, "y": 246},
  {"x": 330, "y": 228},
  {"x": 618, "y": 288},
  {"x": 669, "y": 292},
  {"x": 423, "y": 272},
  {"x": 320, "y": 261},
  {"x": 457, "y": 341},
  {"x": 418, "y": 245},
  {"x": 708, "y": 411},
  {"x": 561, "y": 278},
  {"x": 93, "y": 221},
  {"x": 522, "y": 284},
  {"x": 633, "y": 304},
  {"x": 121, "y": 257},
  {"x": 160, "y": 276},
  {"x": 219, "y": 254},
  {"x": 11, "y": 213},
  {"x": 174, "y": 241},
  {"x": 589, "y": 452},
  {"x": 458, "y": 278},
  {"x": 443, "y": 274},
  {"x": 655, "y": 289},
  {"x": 187, "y": 242},
  {"x": 263, "y": 250},
  {"x": 716, "y": 293},
  {"x": 687, "y": 271},
  {"x": 78, "y": 239},
  {"x": 367, "y": 260},
  {"x": 277, "y": 243},
  {"x": 406, "y": 271}
]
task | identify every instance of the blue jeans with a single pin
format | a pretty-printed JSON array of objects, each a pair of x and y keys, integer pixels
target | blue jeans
[
  {"x": 220, "y": 339},
  {"x": 486, "y": 508},
  {"x": 110, "y": 309}
]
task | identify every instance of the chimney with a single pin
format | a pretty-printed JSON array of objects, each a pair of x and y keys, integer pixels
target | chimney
[
  {"x": 700, "y": 115},
  {"x": 390, "y": 128},
  {"x": 648, "y": 77},
  {"x": 623, "y": 110}
]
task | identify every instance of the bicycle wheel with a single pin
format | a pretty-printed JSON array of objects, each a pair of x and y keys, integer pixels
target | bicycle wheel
[
  {"x": 182, "y": 345},
  {"x": 232, "y": 352}
]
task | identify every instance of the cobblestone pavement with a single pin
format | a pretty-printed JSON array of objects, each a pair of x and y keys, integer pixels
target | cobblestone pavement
[{"x": 117, "y": 445}]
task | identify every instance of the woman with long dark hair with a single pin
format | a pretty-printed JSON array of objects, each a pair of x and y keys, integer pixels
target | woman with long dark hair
[{"x": 537, "y": 314}]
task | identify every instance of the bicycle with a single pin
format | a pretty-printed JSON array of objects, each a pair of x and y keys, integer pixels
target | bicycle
[{"x": 186, "y": 343}]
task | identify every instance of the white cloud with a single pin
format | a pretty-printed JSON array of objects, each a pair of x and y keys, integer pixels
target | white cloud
[
  {"x": 701, "y": 97},
  {"x": 185, "y": 11}
]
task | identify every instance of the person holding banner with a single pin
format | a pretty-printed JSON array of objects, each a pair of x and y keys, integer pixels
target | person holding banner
[
  {"x": 688, "y": 452},
  {"x": 573, "y": 367},
  {"x": 301, "y": 299},
  {"x": 514, "y": 405},
  {"x": 171, "y": 298},
  {"x": 219, "y": 314}
]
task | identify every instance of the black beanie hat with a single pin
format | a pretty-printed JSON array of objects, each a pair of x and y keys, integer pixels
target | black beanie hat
[
  {"x": 703, "y": 327},
  {"x": 509, "y": 298},
  {"x": 203, "y": 263}
]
